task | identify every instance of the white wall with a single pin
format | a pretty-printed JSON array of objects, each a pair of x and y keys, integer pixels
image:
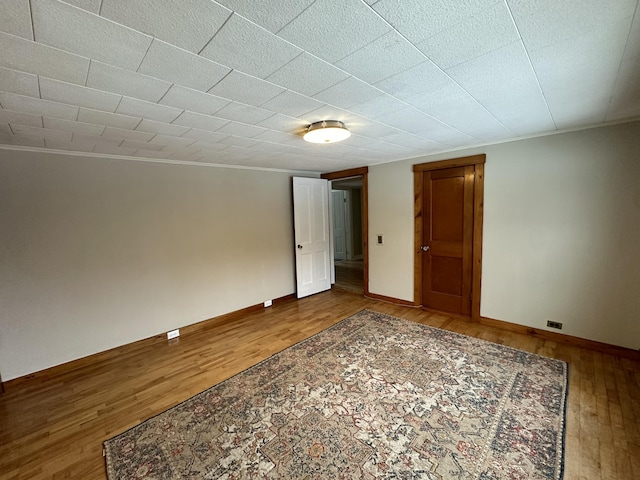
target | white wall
[
  {"x": 96, "y": 253},
  {"x": 561, "y": 232}
]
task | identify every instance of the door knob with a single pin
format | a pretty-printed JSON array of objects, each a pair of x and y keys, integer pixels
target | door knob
[
  {"x": 300, "y": 247},
  {"x": 424, "y": 248}
]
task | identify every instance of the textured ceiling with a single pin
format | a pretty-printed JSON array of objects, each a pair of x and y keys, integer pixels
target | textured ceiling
[{"x": 234, "y": 82}]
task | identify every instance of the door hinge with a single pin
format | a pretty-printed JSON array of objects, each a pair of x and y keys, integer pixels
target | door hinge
[{"x": 470, "y": 295}]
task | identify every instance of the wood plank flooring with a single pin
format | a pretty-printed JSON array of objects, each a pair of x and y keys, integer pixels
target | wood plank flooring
[
  {"x": 350, "y": 275},
  {"x": 54, "y": 427}
]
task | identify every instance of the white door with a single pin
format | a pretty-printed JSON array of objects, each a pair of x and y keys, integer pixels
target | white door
[
  {"x": 339, "y": 230},
  {"x": 312, "y": 236}
]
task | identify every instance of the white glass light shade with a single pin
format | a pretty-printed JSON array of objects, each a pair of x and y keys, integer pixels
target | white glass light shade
[{"x": 326, "y": 131}]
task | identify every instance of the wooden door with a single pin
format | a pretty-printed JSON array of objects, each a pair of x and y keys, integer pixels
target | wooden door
[
  {"x": 447, "y": 243},
  {"x": 312, "y": 238}
]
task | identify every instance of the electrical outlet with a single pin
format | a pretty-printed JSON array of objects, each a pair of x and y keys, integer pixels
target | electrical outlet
[
  {"x": 551, "y": 324},
  {"x": 173, "y": 334},
  {"x": 268, "y": 303}
]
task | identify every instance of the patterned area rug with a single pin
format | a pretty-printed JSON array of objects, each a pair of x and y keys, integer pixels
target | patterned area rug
[{"x": 371, "y": 397}]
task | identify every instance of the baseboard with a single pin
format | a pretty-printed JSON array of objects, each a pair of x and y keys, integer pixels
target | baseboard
[
  {"x": 64, "y": 368},
  {"x": 563, "y": 338},
  {"x": 384, "y": 298}
]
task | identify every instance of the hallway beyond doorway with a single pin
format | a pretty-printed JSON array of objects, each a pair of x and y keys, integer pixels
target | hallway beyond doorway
[{"x": 350, "y": 275}]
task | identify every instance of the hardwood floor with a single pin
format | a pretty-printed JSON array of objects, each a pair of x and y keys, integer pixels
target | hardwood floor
[
  {"x": 350, "y": 275},
  {"x": 54, "y": 427}
]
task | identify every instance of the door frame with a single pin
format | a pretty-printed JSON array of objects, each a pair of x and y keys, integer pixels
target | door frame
[
  {"x": 358, "y": 172},
  {"x": 477, "y": 161}
]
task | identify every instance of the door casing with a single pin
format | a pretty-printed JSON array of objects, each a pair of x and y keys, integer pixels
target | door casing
[
  {"x": 477, "y": 161},
  {"x": 359, "y": 172}
]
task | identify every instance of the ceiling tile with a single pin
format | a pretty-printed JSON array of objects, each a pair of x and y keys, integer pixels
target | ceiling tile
[
  {"x": 211, "y": 147},
  {"x": 36, "y": 106},
  {"x": 92, "y": 6},
  {"x": 276, "y": 137},
  {"x": 22, "y": 83},
  {"x": 205, "y": 135},
  {"x": 329, "y": 112},
  {"x": 73, "y": 127},
  {"x": 332, "y": 29},
  {"x": 272, "y": 15},
  {"x": 197, "y": 120},
  {"x": 109, "y": 149},
  {"x": 417, "y": 20},
  {"x": 625, "y": 100},
  {"x": 193, "y": 100},
  {"x": 371, "y": 129},
  {"x": 15, "y": 18},
  {"x": 292, "y": 104},
  {"x": 9, "y": 116},
  {"x": 148, "y": 110},
  {"x": 569, "y": 61},
  {"x": 75, "y": 30},
  {"x": 417, "y": 80},
  {"x": 454, "y": 106},
  {"x": 152, "y": 154},
  {"x": 189, "y": 25},
  {"x": 507, "y": 69},
  {"x": 571, "y": 109},
  {"x": 39, "y": 132},
  {"x": 23, "y": 141},
  {"x": 186, "y": 156},
  {"x": 58, "y": 143},
  {"x": 414, "y": 121},
  {"x": 239, "y": 142},
  {"x": 488, "y": 30},
  {"x": 32, "y": 57},
  {"x": 109, "y": 119},
  {"x": 142, "y": 145},
  {"x": 181, "y": 66},
  {"x": 72, "y": 94},
  {"x": 244, "y": 88},
  {"x": 545, "y": 22},
  {"x": 348, "y": 93},
  {"x": 244, "y": 113},
  {"x": 87, "y": 141},
  {"x": 125, "y": 82},
  {"x": 241, "y": 129},
  {"x": 382, "y": 58},
  {"x": 245, "y": 46},
  {"x": 379, "y": 105},
  {"x": 5, "y": 129},
  {"x": 283, "y": 123},
  {"x": 161, "y": 128},
  {"x": 308, "y": 75},
  {"x": 168, "y": 140},
  {"x": 125, "y": 134}
]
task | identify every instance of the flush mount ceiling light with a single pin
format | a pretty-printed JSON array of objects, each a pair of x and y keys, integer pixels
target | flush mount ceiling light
[{"x": 326, "y": 131}]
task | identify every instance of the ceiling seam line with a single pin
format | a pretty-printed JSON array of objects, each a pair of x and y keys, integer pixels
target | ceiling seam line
[
  {"x": 146, "y": 52},
  {"x": 535, "y": 74},
  {"x": 33, "y": 27},
  {"x": 626, "y": 45},
  {"x": 215, "y": 34},
  {"x": 294, "y": 19},
  {"x": 439, "y": 68}
]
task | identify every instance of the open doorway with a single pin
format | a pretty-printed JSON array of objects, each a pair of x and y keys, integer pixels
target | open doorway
[
  {"x": 348, "y": 235},
  {"x": 361, "y": 272}
]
